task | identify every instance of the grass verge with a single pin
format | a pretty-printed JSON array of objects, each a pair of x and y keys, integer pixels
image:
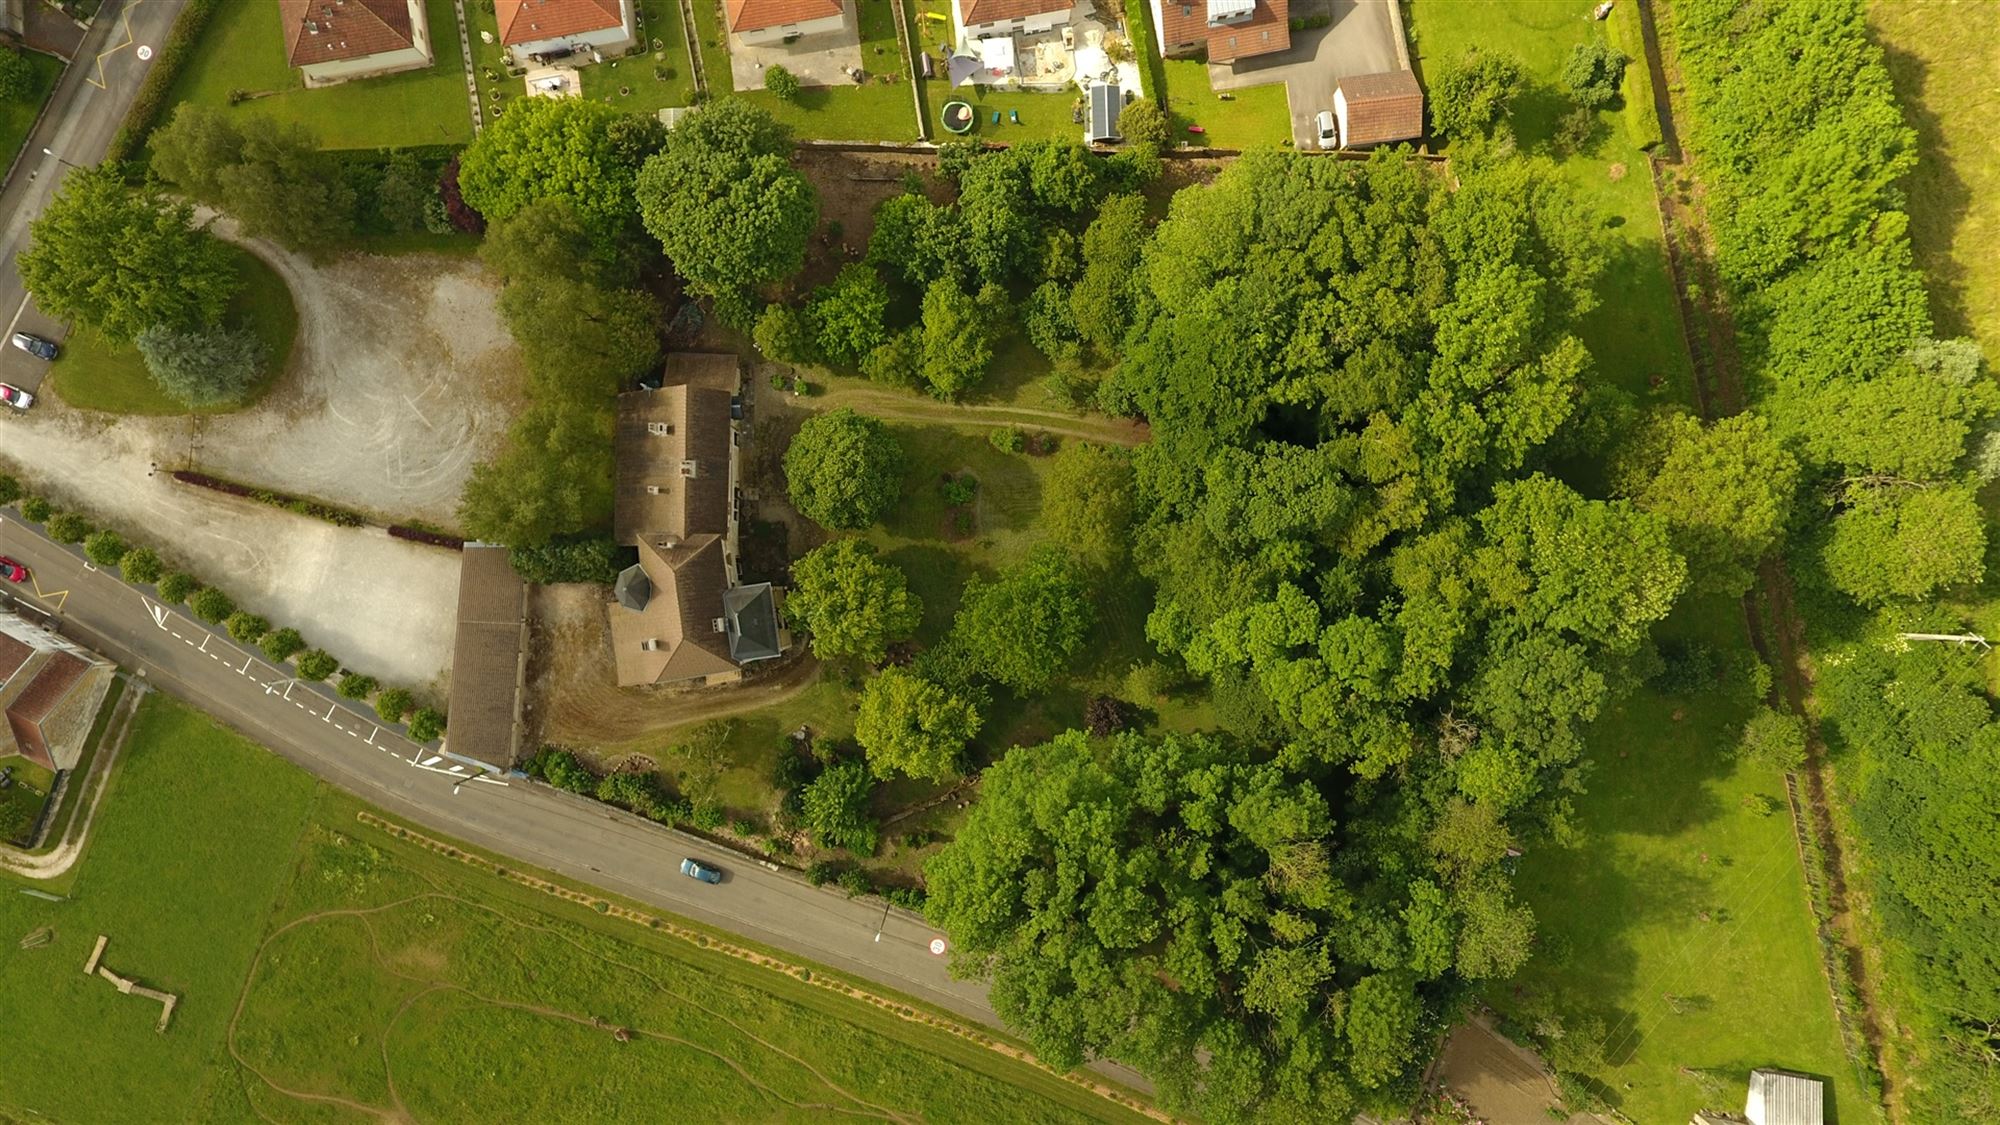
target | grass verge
[
  {"x": 94, "y": 374},
  {"x": 18, "y": 116}
]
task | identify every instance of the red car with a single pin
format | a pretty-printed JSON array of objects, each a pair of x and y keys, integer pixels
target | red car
[{"x": 12, "y": 571}]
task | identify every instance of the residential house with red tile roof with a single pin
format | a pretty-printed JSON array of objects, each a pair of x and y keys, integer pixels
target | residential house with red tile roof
[
  {"x": 50, "y": 691},
  {"x": 987, "y": 19},
  {"x": 1227, "y": 30},
  {"x": 334, "y": 41},
  {"x": 538, "y": 27},
  {"x": 762, "y": 22}
]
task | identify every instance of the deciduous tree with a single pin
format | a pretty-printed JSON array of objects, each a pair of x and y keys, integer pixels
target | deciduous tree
[
  {"x": 123, "y": 261},
  {"x": 844, "y": 469},
  {"x": 725, "y": 202},
  {"x": 1023, "y": 628},
  {"x": 853, "y": 603},
  {"x": 909, "y": 725}
]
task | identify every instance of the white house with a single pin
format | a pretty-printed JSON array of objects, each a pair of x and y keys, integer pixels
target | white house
[
  {"x": 538, "y": 27},
  {"x": 762, "y": 22},
  {"x": 332, "y": 41},
  {"x": 986, "y": 19}
]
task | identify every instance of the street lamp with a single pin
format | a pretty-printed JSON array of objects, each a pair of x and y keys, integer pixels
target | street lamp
[{"x": 47, "y": 151}]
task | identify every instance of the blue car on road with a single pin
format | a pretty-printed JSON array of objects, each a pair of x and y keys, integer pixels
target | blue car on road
[{"x": 694, "y": 870}]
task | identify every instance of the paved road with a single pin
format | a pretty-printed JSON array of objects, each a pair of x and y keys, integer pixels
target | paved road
[
  {"x": 84, "y": 112},
  {"x": 532, "y": 823}
]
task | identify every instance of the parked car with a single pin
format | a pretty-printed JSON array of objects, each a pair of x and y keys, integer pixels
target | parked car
[
  {"x": 705, "y": 873},
  {"x": 12, "y": 571},
  {"x": 35, "y": 346},
  {"x": 16, "y": 397},
  {"x": 1326, "y": 129}
]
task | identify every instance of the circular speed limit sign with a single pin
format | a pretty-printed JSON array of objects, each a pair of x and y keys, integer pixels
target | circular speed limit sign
[{"x": 937, "y": 946}]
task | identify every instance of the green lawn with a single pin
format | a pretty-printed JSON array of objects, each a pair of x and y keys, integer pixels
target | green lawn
[
  {"x": 213, "y": 871},
  {"x": 1941, "y": 58},
  {"x": 650, "y": 82},
  {"x": 242, "y": 48},
  {"x": 1254, "y": 117},
  {"x": 96, "y": 375},
  {"x": 194, "y": 842},
  {"x": 18, "y": 116},
  {"x": 1043, "y": 115},
  {"x": 1634, "y": 334},
  {"x": 877, "y": 110},
  {"x": 1682, "y": 922}
]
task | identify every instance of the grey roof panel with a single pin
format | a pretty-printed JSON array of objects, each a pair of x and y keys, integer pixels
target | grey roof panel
[{"x": 752, "y": 614}]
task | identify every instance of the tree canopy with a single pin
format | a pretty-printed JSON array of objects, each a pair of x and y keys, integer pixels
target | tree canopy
[
  {"x": 205, "y": 368},
  {"x": 1022, "y": 628},
  {"x": 909, "y": 725},
  {"x": 123, "y": 261},
  {"x": 1087, "y": 501},
  {"x": 268, "y": 174},
  {"x": 844, "y": 469},
  {"x": 853, "y": 603},
  {"x": 725, "y": 202},
  {"x": 577, "y": 150}
]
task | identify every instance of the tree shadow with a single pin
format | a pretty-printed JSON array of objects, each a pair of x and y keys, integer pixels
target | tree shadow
[
  {"x": 937, "y": 575},
  {"x": 1939, "y": 202}
]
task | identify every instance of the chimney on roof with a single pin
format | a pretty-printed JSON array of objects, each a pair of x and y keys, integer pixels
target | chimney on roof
[
  {"x": 652, "y": 490},
  {"x": 670, "y": 541},
  {"x": 690, "y": 469},
  {"x": 721, "y": 625},
  {"x": 650, "y": 644}
]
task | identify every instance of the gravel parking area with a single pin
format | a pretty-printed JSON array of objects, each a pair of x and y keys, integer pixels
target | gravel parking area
[{"x": 403, "y": 377}]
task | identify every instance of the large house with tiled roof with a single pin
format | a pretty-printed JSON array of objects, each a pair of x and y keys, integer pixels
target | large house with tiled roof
[
  {"x": 539, "y": 27},
  {"x": 679, "y": 614},
  {"x": 987, "y": 19},
  {"x": 332, "y": 41},
  {"x": 761, "y": 22},
  {"x": 1227, "y": 30},
  {"x": 50, "y": 690}
]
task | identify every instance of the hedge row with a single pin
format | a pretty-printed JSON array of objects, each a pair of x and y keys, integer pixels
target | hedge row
[
  {"x": 1143, "y": 35},
  {"x": 152, "y": 98},
  {"x": 339, "y": 517}
]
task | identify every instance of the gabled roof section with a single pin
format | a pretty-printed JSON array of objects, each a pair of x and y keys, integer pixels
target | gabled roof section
[
  {"x": 319, "y": 31},
  {"x": 673, "y": 463},
  {"x": 1382, "y": 107},
  {"x": 486, "y": 655},
  {"x": 13, "y": 654},
  {"x": 24, "y": 716},
  {"x": 676, "y": 637},
  {"x": 756, "y": 15},
  {"x": 530, "y": 21},
  {"x": 993, "y": 11},
  {"x": 1268, "y": 29}
]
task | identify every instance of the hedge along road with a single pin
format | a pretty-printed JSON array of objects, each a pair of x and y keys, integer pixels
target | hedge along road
[{"x": 569, "y": 836}]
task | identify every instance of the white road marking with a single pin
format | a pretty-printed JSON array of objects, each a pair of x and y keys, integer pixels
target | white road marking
[
  {"x": 21, "y": 308},
  {"x": 431, "y": 761}
]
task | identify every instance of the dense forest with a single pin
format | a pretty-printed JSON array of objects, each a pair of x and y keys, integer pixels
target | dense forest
[
  {"x": 1797, "y": 133},
  {"x": 1359, "y": 379}
]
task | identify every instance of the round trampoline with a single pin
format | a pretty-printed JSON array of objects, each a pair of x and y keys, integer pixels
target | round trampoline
[{"x": 958, "y": 117}]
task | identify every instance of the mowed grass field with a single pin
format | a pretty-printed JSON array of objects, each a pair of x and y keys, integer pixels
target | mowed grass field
[
  {"x": 243, "y": 48},
  {"x": 1634, "y": 334},
  {"x": 193, "y": 843},
  {"x": 1681, "y": 922},
  {"x": 94, "y": 374},
  {"x": 1942, "y": 59},
  {"x": 376, "y": 978}
]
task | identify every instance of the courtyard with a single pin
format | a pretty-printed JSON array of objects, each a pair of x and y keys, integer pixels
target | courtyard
[{"x": 826, "y": 59}]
